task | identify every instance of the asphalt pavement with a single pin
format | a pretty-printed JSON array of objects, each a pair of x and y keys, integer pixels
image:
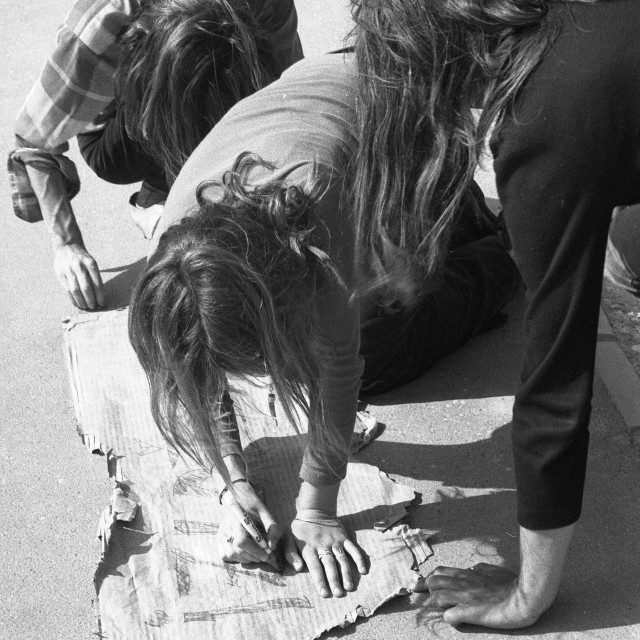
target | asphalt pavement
[{"x": 447, "y": 434}]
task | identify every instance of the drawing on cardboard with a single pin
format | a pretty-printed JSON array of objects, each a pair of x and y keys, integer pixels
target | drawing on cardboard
[
  {"x": 175, "y": 587},
  {"x": 232, "y": 570},
  {"x": 183, "y": 576},
  {"x": 144, "y": 448},
  {"x": 195, "y": 527},
  {"x": 158, "y": 618},
  {"x": 196, "y": 483},
  {"x": 268, "y": 605}
]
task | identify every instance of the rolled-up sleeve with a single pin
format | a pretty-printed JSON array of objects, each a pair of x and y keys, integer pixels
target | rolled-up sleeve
[{"x": 75, "y": 91}]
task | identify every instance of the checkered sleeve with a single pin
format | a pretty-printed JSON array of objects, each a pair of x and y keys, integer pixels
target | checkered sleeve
[
  {"x": 75, "y": 91},
  {"x": 24, "y": 200}
]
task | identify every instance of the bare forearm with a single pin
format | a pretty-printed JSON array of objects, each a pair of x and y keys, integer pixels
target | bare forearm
[
  {"x": 496, "y": 597},
  {"x": 76, "y": 270},
  {"x": 542, "y": 559},
  {"x": 235, "y": 466},
  {"x": 228, "y": 425}
]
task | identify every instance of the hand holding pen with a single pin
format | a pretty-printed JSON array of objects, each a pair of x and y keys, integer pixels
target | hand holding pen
[{"x": 240, "y": 537}]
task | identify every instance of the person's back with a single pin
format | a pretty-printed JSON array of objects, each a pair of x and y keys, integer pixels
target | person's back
[
  {"x": 305, "y": 117},
  {"x": 253, "y": 273},
  {"x": 76, "y": 96}
]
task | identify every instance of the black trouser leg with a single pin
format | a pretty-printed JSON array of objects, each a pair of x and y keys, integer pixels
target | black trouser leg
[{"x": 399, "y": 345}]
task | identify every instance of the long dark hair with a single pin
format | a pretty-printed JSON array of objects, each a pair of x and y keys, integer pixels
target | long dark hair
[
  {"x": 184, "y": 64},
  {"x": 423, "y": 66},
  {"x": 231, "y": 291}
]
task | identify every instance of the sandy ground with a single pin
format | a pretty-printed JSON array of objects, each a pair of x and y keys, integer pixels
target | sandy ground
[{"x": 447, "y": 434}]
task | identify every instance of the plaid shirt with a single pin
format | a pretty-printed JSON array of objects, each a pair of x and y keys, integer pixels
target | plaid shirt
[{"x": 75, "y": 92}]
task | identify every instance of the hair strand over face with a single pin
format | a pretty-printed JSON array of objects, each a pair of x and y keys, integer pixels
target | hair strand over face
[{"x": 231, "y": 292}]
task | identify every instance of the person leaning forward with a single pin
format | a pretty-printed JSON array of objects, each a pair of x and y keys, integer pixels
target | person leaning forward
[{"x": 75, "y": 96}]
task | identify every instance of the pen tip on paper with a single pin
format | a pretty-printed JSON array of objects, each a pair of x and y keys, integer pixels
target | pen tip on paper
[{"x": 273, "y": 562}]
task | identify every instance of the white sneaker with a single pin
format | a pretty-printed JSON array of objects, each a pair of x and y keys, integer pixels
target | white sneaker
[{"x": 145, "y": 218}]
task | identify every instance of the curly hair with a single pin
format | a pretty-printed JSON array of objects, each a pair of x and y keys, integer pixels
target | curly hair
[
  {"x": 423, "y": 68},
  {"x": 185, "y": 63},
  {"x": 231, "y": 291}
]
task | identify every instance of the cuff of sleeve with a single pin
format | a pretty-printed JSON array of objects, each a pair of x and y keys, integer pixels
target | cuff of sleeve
[
  {"x": 551, "y": 497},
  {"x": 24, "y": 200}
]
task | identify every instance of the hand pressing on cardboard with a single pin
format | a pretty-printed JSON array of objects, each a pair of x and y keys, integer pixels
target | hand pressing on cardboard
[
  {"x": 484, "y": 594},
  {"x": 78, "y": 273},
  {"x": 498, "y": 598},
  {"x": 322, "y": 542},
  {"x": 317, "y": 538},
  {"x": 326, "y": 549},
  {"x": 76, "y": 270}
]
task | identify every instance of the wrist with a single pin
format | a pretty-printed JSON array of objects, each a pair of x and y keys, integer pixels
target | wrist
[
  {"x": 532, "y": 599},
  {"x": 66, "y": 233},
  {"x": 60, "y": 243},
  {"x": 236, "y": 467},
  {"x": 230, "y": 489},
  {"x": 542, "y": 557},
  {"x": 323, "y": 497},
  {"x": 526, "y": 609}
]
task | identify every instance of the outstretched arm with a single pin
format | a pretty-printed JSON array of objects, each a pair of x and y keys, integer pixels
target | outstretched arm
[
  {"x": 74, "y": 90},
  {"x": 557, "y": 214},
  {"x": 234, "y": 543},
  {"x": 321, "y": 540},
  {"x": 75, "y": 268}
]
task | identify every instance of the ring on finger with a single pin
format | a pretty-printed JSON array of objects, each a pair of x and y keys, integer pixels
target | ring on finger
[{"x": 324, "y": 552}]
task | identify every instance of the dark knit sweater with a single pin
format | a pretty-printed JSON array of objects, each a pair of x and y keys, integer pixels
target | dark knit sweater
[{"x": 570, "y": 155}]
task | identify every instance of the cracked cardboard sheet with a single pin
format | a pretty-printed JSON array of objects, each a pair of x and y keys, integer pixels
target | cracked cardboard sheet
[{"x": 160, "y": 575}]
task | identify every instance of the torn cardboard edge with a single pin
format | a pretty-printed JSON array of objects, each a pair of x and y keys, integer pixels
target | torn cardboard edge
[
  {"x": 362, "y": 612},
  {"x": 417, "y": 542},
  {"x": 91, "y": 441},
  {"x": 121, "y": 510},
  {"x": 108, "y": 386}
]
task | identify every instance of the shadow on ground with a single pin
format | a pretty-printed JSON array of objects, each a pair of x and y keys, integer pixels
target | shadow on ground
[
  {"x": 469, "y": 502},
  {"x": 118, "y": 287},
  {"x": 601, "y": 588},
  {"x": 488, "y": 366}
]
